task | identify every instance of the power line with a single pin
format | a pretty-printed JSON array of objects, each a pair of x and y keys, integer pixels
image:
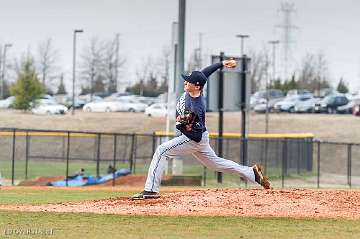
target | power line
[{"x": 287, "y": 9}]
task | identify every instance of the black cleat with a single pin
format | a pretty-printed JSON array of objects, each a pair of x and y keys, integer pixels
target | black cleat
[{"x": 145, "y": 195}]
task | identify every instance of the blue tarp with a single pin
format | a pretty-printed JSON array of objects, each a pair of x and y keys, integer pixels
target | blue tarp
[
  {"x": 74, "y": 182},
  {"x": 79, "y": 181}
]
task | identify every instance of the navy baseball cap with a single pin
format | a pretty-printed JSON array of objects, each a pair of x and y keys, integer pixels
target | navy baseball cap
[{"x": 196, "y": 77}]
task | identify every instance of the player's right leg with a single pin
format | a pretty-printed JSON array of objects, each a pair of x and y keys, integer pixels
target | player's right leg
[
  {"x": 177, "y": 146},
  {"x": 208, "y": 157}
]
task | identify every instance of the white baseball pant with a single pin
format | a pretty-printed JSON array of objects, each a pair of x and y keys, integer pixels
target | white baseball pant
[{"x": 181, "y": 146}]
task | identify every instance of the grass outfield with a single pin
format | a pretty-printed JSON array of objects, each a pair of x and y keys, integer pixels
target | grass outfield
[
  {"x": 27, "y": 195},
  {"x": 87, "y": 225}
]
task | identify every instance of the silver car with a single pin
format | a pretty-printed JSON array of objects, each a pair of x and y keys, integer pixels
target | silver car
[{"x": 306, "y": 106}]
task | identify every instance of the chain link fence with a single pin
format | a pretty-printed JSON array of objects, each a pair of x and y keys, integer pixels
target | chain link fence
[{"x": 300, "y": 162}]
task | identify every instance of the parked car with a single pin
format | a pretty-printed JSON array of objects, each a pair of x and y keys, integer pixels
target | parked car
[
  {"x": 298, "y": 92},
  {"x": 330, "y": 103},
  {"x": 116, "y": 95},
  {"x": 49, "y": 108},
  {"x": 346, "y": 109},
  {"x": 143, "y": 99},
  {"x": 6, "y": 103},
  {"x": 90, "y": 98},
  {"x": 288, "y": 104},
  {"x": 149, "y": 100},
  {"x": 259, "y": 96},
  {"x": 261, "y": 107},
  {"x": 79, "y": 103},
  {"x": 131, "y": 105},
  {"x": 306, "y": 106},
  {"x": 156, "y": 110},
  {"x": 102, "y": 106}
]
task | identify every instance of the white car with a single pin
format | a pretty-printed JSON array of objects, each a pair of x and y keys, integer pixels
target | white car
[
  {"x": 288, "y": 104},
  {"x": 49, "y": 108},
  {"x": 156, "y": 110},
  {"x": 102, "y": 106},
  {"x": 131, "y": 105},
  {"x": 6, "y": 103},
  {"x": 88, "y": 98}
]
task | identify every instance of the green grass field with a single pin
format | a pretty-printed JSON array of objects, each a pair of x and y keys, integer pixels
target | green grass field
[{"x": 87, "y": 225}]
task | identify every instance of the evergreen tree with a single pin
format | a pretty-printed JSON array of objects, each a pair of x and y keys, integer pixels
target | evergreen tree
[
  {"x": 342, "y": 86},
  {"x": 61, "y": 89},
  {"x": 27, "y": 87}
]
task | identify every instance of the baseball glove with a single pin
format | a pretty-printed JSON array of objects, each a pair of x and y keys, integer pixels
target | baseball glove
[{"x": 187, "y": 118}]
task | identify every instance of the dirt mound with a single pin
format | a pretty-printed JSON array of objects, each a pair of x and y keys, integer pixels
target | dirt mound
[
  {"x": 224, "y": 202},
  {"x": 139, "y": 181},
  {"x": 40, "y": 181}
]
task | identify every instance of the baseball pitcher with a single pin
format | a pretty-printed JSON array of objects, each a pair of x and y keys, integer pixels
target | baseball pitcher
[{"x": 190, "y": 120}]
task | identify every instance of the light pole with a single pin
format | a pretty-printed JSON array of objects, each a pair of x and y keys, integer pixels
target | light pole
[
  {"x": 74, "y": 63},
  {"x": 3, "y": 69},
  {"x": 242, "y": 37},
  {"x": 273, "y": 43}
]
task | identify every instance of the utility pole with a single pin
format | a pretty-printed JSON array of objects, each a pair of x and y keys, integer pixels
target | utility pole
[
  {"x": 180, "y": 48},
  {"x": 117, "y": 61},
  {"x": 200, "y": 50},
  {"x": 287, "y": 9},
  {"x": 74, "y": 68},
  {"x": 244, "y": 93},
  {"x": 3, "y": 70},
  {"x": 171, "y": 111},
  {"x": 177, "y": 168},
  {"x": 198, "y": 53},
  {"x": 242, "y": 37},
  {"x": 273, "y": 77}
]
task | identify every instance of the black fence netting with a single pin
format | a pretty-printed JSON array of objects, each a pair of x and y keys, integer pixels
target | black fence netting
[{"x": 289, "y": 162}]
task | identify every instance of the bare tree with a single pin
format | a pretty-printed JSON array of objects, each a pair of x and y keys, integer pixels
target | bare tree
[
  {"x": 112, "y": 64},
  {"x": 92, "y": 63},
  {"x": 46, "y": 62},
  {"x": 259, "y": 67},
  {"x": 314, "y": 72},
  {"x": 144, "y": 71},
  {"x": 164, "y": 69}
]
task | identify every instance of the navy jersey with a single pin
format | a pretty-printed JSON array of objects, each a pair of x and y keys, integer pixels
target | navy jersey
[{"x": 197, "y": 106}]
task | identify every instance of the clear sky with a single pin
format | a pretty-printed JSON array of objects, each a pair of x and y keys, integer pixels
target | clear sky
[{"x": 145, "y": 28}]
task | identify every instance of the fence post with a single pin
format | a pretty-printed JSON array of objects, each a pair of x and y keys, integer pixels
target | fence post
[
  {"x": 13, "y": 158},
  {"x": 114, "y": 159},
  {"x": 266, "y": 140},
  {"x": 154, "y": 143},
  {"x": 98, "y": 155},
  {"x": 67, "y": 158},
  {"x": 26, "y": 154},
  {"x": 284, "y": 159},
  {"x": 349, "y": 164},
  {"x": 298, "y": 156},
  {"x": 135, "y": 153},
  {"x": 132, "y": 152},
  {"x": 318, "y": 164},
  {"x": 204, "y": 175}
]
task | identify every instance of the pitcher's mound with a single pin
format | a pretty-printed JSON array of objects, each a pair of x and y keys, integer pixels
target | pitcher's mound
[{"x": 224, "y": 202}]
